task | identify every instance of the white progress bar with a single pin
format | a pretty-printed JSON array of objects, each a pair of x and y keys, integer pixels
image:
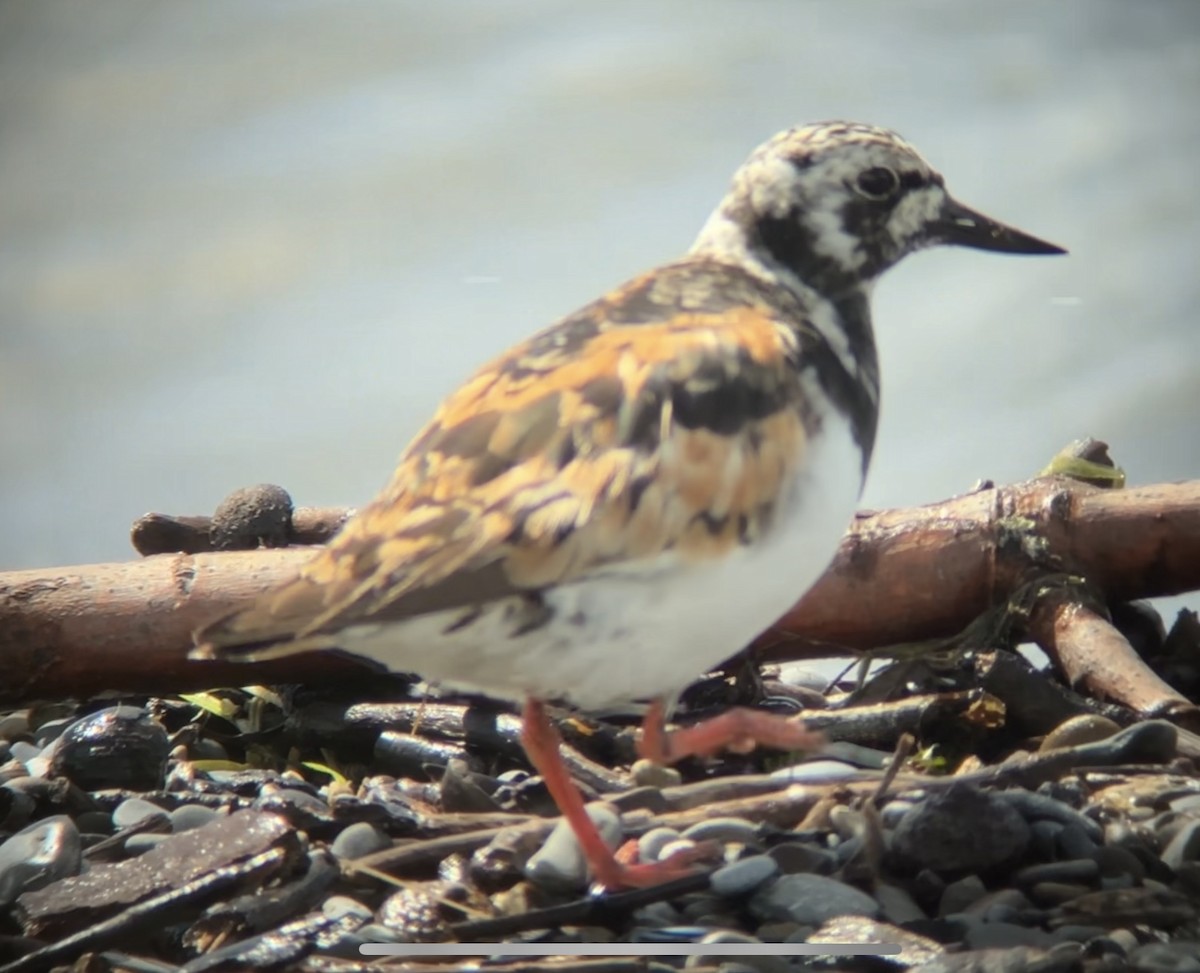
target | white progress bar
[{"x": 629, "y": 949}]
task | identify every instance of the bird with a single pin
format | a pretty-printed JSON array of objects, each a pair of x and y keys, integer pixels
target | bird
[{"x": 621, "y": 502}]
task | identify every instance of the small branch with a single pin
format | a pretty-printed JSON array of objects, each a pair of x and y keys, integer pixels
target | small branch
[{"x": 900, "y": 576}]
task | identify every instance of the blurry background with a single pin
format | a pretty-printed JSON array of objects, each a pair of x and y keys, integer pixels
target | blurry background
[{"x": 246, "y": 241}]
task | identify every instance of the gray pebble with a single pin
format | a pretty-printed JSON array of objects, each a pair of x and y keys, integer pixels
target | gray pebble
[
  {"x": 1033, "y": 807},
  {"x": 800, "y": 856},
  {"x": 651, "y": 844},
  {"x": 139, "y": 844},
  {"x": 1074, "y": 842},
  {"x": 897, "y": 905},
  {"x": 1044, "y": 837},
  {"x": 559, "y": 863},
  {"x": 1082, "y": 870},
  {"x": 24, "y": 751},
  {"x": 1077, "y": 934},
  {"x": 723, "y": 829},
  {"x": 646, "y": 773},
  {"x": 816, "y": 771},
  {"x": 744, "y": 875},
  {"x": 961, "y": 895},
  {"x": 1177, "y": 957},
  {"x": 134, "y": 810},
  {"x": 42, "y": 853},
  {"x": 1185, "y": 846},
  {"x": 50, "y": 731},
  {"x": 893, "y": 811},
  {"x": 1004, "y": 935},
  {"x": 656, "y": 915},
  {"x": 675, "y": 847},
  {"x": 187, "y": 817},
  {"x": 359, "y": 840},
  {"x": 810, "y": 900},
  {"x": 14, "y": 725},
  {"x": 206, "y": 748}
]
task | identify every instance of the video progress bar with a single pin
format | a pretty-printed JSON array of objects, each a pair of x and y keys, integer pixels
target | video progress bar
[{"x": 629, "y": 949}]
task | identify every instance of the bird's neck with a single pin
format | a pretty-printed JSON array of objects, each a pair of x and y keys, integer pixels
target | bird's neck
[{"x": 831, "y": 309}]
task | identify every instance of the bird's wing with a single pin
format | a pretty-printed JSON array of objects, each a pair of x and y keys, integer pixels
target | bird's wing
[{"x": 629, "y": 429}]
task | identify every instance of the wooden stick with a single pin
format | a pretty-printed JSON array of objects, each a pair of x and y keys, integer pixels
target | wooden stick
[{"x": 900, "y": 576}]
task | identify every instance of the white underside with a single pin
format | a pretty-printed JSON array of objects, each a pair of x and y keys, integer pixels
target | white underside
[{"x": 628, "y": 636}]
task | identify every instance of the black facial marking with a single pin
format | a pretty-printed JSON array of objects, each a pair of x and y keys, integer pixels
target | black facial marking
[{"x": 878, "y": 182}]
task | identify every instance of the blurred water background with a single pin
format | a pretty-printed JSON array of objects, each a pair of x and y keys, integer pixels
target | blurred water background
[{"x": 257, "y": 240}]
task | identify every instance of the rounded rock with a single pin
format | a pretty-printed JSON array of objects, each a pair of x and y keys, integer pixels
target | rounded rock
[
  {"x": 139, "y": 844},
  {"x": 135, "y": 810},
  {"x": 359, "y": 840},
  {"x": 961, "y": 830},
  {"x": 117, "y": 747},
  {"x": 253, "y": 517},
  {"x": 810, "y": 900},
  {"x": 35, "y": 856},
  {"x": 743, "y": 875},
  {"x": 646, "y": 773},
  {"x": 559, "y": 863},
  {"x": 651, "y": 844},
  {"x": 188, "y": 817},
  {"x": 723, "y": 829}
]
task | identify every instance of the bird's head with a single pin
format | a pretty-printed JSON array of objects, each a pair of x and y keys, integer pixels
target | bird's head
[{"x": 837, "y": 203}]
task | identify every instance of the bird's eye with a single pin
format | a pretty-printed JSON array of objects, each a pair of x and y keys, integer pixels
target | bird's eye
[{"x": 878, "y": 183}]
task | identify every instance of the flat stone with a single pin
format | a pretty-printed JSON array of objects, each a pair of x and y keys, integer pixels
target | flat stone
[
  {"x": 1081, "y": 871},
  {"x": 809, "y": 900},
  {"x": 743, "y": 875},
  {"x": 724, "y": 829}
]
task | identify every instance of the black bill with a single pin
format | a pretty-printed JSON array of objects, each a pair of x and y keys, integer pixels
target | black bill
[{"x": 963, "y": 227}]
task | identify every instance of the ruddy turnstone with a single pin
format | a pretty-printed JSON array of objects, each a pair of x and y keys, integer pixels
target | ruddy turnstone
[{"x": 625, "y": 499}]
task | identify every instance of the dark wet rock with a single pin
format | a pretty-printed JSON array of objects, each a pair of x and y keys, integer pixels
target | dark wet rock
[
  {"x": 16, "y": 808},
  {"x": 252, "y": 517},
  {"x": 961, "y": 895},
  {"x": 359, "y": 840},
  {"x": 38, "y": 855},
  {"x": 1077, "y": 934},
  {"x": 1041, "y": 807},
  {"x": 71, "y": 904},
  {"x": 744, "y": 875},
  {"x": 1043, "y": 839},
  {"x": 116, "y": 747},
  {"x": 1004, "y": 935},
  {"x": 266, "y": 908},
  {"x": 1075, "y": 842},
  {"x": 961, "y": 830},
  {"x": 1083, "y": 870},
  {"x": 1115, "y": 860},
  {"x": 810, "y": 900},
  {"x": 461, "y": 790}
]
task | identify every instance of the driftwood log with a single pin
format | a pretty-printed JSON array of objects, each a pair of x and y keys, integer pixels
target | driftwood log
[{"x": 900, "y": 576}]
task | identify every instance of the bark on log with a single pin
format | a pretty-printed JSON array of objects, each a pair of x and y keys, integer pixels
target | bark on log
[{"x": 900, "y": 576}]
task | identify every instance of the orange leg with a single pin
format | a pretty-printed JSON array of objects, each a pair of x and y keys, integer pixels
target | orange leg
[
  {"x": 541, "y": 741},
  {"x": 740, "y": 730}
]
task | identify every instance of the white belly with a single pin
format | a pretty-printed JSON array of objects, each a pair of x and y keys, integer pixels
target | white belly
[{"x": 628, "y": 636}]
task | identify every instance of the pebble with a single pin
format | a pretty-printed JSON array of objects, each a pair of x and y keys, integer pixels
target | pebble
[
  {"x": 810, "y": 900},
  {"x": 1075, "y": 842},
  {"x": 117, "y": 747},
  {"x": 559, "y": 863},
  {"x": 961, "y": 895},
  {"x": 961, "y": 830},
  {"x": 724, "y": 830},
  {"x": 1083, "y": 870},
  {"x": 815, "y": 771},
  {"x": 134, "y": 810},
  {"x": 1184, "y": 846},
  {"x": 1175, "y": 957},
  {"x": 337, "y": 906},
  {"x": 646, "y": 773},
  {"x": 37, "y": 855},
  {"x": 187, "y": 817},
  {"x": 16, "y": 807},
  {"x": 14, "y": 725},
  {"x": 651, "y": 844},
  {"x": 897, "y": 905},
  {"x": 800, "y": 856},
  {"x": 1085, "y": 728},
  {"x": 1033, "y": 807},
  {"x": 359, "y": 840},
  {"x": 743, "y": 875},
  {"x": 139, "y": 844}
]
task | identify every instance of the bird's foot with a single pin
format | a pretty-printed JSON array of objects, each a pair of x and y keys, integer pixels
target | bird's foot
[{"x": 739, "y": 730}]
